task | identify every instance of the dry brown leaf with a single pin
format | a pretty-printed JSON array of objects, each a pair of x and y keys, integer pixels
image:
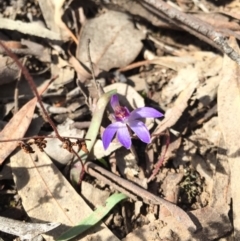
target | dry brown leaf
[
  {"x": 173, "y": 114},
  {"x": 93, "y": 194},
  {"x": 47, "y": 195},
  {"x": 115, "y": 42},
  {"x": 229, "y": 119},
  {"x": 17, "y": 127},
  {"x": 185, "y": 77},
  {"x": 58, "y": 13}
]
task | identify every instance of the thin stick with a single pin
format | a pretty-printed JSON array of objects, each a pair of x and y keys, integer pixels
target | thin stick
[
  {"x": 91, "y": 63},
  {"x": 16, "y": 91},
  {"x": 161, "y": 159},
  {"x": 194, "y": 26},
  {"x": 97, "y": 85},
  {"x": 44, "y": 137},
  {"x": 28, "y": 77},
  {"x": 133, "y": 191}
]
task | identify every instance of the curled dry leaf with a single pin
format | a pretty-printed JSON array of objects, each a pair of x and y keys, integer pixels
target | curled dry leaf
[{"x": 116, "y": 46}]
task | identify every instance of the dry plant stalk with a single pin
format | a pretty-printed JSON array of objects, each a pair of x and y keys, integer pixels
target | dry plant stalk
[{"x": 67, "y": 144}]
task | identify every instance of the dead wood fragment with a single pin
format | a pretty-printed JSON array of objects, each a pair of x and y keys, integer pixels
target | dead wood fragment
[
  {"x": 29, "y": 28},
  {"x": 133, "y": 191},
  {"x": 194, "y": 26}
]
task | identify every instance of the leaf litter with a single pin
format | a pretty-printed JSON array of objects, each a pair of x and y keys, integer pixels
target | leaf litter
[{"x": 162, "y": 66}]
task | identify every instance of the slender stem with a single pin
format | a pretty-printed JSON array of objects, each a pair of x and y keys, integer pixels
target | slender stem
[
  {"x": 44, "y": 137},
  {"x": 91, "y": 65},
  {"x": 29, "y": 78},
  {"x": 96, "y": 83}
]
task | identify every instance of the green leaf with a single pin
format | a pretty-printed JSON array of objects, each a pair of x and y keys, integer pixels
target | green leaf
[
  {"x": 94, "y": 218},
  {"x": 92, "y": 133}
]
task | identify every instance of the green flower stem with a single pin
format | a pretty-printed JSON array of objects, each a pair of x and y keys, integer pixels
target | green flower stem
[{"x": 96, "y": 122}]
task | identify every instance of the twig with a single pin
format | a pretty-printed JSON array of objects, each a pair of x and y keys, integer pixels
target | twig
[
  {"x": 91, "y": 63},
  {"x": 134, "y": 191},
  {"x": 16, "y": 90},
  {"x": 97, "y": 85},
  {"x": 194, "y": 26},
  {"x": 32, "y": 29},
  {"x": 161, "y": 159},
  {"x": 79, "y": 84},
  {"x": 28, "y": 77},
  {"x": 45, "y": 137}
]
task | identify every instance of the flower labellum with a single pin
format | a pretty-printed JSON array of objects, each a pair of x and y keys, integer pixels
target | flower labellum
[{"x": 125, "y": 121}]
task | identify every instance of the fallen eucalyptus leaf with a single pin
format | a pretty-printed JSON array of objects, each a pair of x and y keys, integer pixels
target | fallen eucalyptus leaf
[
  {"x": 48, "y": 196},
  {"x": 17, "y": 127},
  {"x": 115, "y": 42}
]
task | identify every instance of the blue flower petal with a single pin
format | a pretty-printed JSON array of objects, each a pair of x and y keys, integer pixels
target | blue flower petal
[
  {"x": 140, "y": 130},
  {"x": 109, "y": 132},
  {"x": 124, "y": 137},
  {"x": 114, "y": 102},
  {"x": 144, "y": 112}
]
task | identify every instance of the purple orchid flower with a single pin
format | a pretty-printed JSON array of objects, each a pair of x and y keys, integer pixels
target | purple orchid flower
[{"x": 126, "y": 121}]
